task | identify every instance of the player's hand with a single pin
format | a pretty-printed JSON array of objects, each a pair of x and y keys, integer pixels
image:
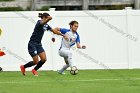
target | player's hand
[
  {"x": 66, "y": 38},
  {"x": 53, "y": 39},
  {"x": 83, "y": 47},
  {"x": 49, "y": 17}
]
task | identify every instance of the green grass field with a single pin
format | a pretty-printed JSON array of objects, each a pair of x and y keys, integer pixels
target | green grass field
[{"x": 86, "y": 81}]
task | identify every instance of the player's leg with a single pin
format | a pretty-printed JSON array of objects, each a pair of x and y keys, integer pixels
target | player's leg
[
  {"x": 61, "y": 71},
  {"x": 68, "y": 59},
  {"x": 43, "y": 58},
  {"x": 67, "y": 54},
  {"x": 32, "y": 63},
  {"x": 42, "y": 61},
  {"x": 32, "y": 49},
  {"x": 33, "y": 52},
  {"x": 29, "y": 64}
]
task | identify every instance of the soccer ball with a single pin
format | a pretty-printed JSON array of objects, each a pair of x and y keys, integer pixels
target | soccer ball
[{"x": 74, "y": 70}]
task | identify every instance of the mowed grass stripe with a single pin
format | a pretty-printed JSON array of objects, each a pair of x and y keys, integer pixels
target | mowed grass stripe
[{"x": 8, "y": 82}]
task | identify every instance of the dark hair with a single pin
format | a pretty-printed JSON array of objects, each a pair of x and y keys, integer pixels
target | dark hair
[
  {"x": 41, "y": 15},
  {"x": 72, "y": 23}
]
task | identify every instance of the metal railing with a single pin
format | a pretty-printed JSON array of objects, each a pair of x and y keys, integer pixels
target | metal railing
[
  {"x": 110, "y": 2},
  {"x": 80, "y": 2}
]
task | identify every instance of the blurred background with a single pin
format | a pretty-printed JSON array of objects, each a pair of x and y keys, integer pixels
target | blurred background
[{"x": 44, "y": 5}]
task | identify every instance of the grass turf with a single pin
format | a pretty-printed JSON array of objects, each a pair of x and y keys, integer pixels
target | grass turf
[{"x": 86, "y": 81}]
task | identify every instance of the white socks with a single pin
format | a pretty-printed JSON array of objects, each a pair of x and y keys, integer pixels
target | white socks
[{"x": 64, "y": 68}]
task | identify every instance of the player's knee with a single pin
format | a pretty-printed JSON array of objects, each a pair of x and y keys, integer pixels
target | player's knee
[
  {"x": 44, "y": 59},
  {"x": 35, "y": 62}
]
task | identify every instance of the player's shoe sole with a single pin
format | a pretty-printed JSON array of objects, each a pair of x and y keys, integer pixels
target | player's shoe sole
[
  {"x": 22, "y": 69},
  {"x": 34, "y": 72}
]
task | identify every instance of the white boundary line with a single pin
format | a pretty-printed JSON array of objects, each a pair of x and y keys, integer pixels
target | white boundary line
[{"x": 18, "y": 82}]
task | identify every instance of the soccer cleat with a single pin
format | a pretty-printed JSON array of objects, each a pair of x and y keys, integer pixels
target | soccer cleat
[
  {"x": 22, "y": 69},
  {"x": 34, "y": 72},
  {"x": 62, "y": 73}
]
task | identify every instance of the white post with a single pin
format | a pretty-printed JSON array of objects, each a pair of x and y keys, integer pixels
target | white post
[
  {"x": 85, "y": 4},
  {"x": 33, "y": 5},
  {"x": 137, "y": 4},
  {"x": 128, "y": 33}
]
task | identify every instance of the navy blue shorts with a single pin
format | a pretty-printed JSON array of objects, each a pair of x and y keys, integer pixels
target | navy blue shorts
[{"x": 35, "y": 48}]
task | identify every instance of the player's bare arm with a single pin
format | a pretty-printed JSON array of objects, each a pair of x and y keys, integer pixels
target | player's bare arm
[
  {"x": 45, "y": 20},
  {"x": 57, "y": 31}
]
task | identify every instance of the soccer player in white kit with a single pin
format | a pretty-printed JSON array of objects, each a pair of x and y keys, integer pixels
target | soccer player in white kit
[{"x": 64, "y": 51}]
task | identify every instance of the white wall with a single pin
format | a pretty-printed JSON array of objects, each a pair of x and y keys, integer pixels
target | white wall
[{"x": 105, "y": 33}]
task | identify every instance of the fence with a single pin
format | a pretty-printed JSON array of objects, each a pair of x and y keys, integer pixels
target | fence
[{"x": 112, "y": 39}]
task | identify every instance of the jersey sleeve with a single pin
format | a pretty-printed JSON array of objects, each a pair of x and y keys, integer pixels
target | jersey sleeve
[
  {"x": 78, "y": 38},
  {"x": 63, "y": 30},
  {"x": 47, "y": 27}
]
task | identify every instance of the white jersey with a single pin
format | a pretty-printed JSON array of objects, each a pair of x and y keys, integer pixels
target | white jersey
[{"x": 72, "y": 38}]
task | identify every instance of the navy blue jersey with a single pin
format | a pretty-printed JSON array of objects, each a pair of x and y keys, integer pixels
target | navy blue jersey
[{"x": 39, "y": 32}]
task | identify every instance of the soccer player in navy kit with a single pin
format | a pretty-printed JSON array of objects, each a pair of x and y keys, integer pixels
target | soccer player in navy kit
[{"x": 35, "y": 48}]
